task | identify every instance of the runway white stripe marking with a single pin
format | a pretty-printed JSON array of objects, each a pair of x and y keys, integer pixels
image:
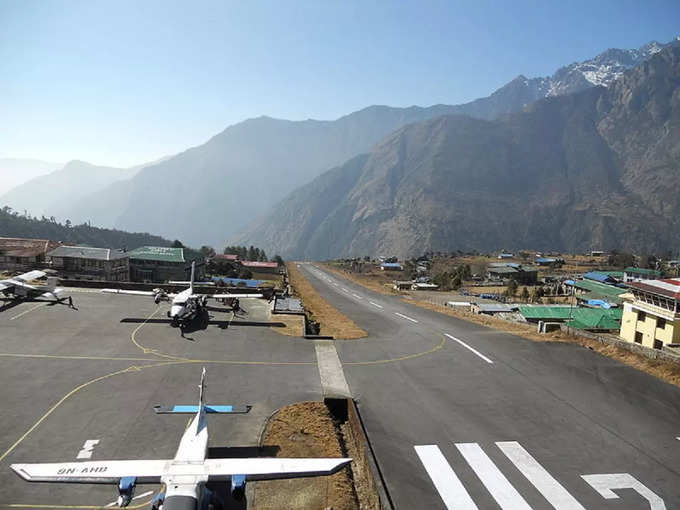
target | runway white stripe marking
[
  {"x": 498, "y": 486},
  {"x": 405, "y": 317},
  {"x": 380, "y": 306},
  {"x": 343, "y": 288},
  {"x": 335, "y": 284},
  {"x": 551, "y": 489},
  {"x": 357, "y": 296},
  {"x": 87, "y": 449},
  {"x": 446, "y": 482},
  {"x": 471, "y": 349}
]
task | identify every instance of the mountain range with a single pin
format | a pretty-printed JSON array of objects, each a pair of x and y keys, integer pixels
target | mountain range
[
  {"x": 593, "y": 169},
  {"x": 16, "y": 171},
  {"x": 212, "y": 193}
]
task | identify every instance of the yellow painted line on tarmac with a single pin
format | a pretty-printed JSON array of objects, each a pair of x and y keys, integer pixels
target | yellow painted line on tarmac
[
  {"x": 402, "y": 358},
  {"x": 67, "y": 507},
  {"x": 229, "y": 362},
  {"x": 147, "y": 350},
  {"x": 27, "y": 311},
  {"x": 55, "y": 356},
  {"x": 132, "y": 368}
]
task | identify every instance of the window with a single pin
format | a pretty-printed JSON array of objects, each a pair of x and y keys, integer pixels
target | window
[
  {"x": 638, "y": 337},
  {"x": 660, "y": 323},
  {"x": 641, "y": 316},
  {"x": 658, "y": 344}
]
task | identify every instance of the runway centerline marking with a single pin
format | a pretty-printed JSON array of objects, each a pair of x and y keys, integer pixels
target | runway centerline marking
[
  {"x": 446, "y": 482},
  {"x": 405, "y": 317},
  {"x": 471, "y": 349},
  {"x": 376, "y": 304},
  {"x": 27, "y": 311}
]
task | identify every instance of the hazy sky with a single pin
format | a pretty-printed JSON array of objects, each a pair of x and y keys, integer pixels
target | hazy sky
[{"x": 123, "y": 82}]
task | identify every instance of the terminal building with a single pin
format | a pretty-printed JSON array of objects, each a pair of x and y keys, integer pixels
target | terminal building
[
  {"x": 652, "y": 317},
  {"x": 157, "y": 264},
  {"x": 87, "y": 263},
  {"x": 19, "y": 254}
]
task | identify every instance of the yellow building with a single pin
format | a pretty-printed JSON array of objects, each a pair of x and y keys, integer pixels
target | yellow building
[{"x": 651, "y": 315}]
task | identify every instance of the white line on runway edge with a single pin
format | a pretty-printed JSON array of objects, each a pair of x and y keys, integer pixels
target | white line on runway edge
[
  {"x": 380, "y": 306},
  {"x": 475, "y": 351},
  {"x": 405, "y": 317}
]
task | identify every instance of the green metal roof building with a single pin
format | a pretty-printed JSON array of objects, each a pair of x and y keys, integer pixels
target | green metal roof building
[
  {"x": 160, "y": 264},
  {"x": 594, "y": 319},
  {"x": 589, "y": 289},
  {"x": 158, "y": 253}
]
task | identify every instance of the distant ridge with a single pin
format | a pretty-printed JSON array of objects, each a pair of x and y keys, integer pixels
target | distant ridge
[
  {"x": 241, "y": 172},
  {"x": 595, "y": 168}
]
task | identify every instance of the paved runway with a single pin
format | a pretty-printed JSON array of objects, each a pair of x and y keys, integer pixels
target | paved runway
[
  {"x": 465, "y": 417},
  {"x": 69, "y": 376}
]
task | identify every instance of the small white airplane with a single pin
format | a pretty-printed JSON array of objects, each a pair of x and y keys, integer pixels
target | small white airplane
[
  {"x": 186, "y": 305},
  {"x": 185, "y": 477},
  {"x": 17, "y": 288}
]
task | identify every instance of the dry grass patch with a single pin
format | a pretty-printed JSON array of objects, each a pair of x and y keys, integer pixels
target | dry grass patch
[
  {"x": 332, "y": 322},
  {"x": 664, "y": 370},
  {"x": 294, "y": 324},
  {"x": 305, "y": 430}
]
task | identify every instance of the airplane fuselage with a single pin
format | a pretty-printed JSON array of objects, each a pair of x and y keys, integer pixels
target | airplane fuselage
[{"x": 185, "y": 307}]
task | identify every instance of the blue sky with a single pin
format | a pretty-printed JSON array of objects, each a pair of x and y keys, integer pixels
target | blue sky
[{"x": 123, "y": 82}]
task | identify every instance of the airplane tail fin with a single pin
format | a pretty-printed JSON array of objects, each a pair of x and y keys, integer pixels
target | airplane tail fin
[{"x": 201, "y": 393}]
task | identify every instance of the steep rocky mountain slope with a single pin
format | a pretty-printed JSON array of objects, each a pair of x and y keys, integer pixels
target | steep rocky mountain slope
[
  {"x": 598, "y": 168},
  {"x": 250, "y": 166}
]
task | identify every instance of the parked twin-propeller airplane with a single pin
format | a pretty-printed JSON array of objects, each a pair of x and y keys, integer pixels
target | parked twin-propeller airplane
[
  {"x": 17, "y": 288},
  {"x": 186, "y": 305},
  {"x": 185, "y": 477}
]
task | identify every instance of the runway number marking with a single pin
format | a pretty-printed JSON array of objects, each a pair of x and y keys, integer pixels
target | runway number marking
[
  {"x": 375, "y": 304},
  {"x": 88, "y": 449},
  {"x": 605, "y": 485},
  {"x": 405, "y": 317},
  {"x": 455, "y": 496},
  {"x": 471, "y": 349}
]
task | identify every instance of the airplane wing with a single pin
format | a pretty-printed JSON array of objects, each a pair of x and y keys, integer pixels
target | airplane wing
[
  {"x": 13, "y": 282},
  {"x": 151, "y": 471},
  {"x": 134, "y": 292},
  {"x": 31, "y": 275},
  {"x": 224, "y": 296},
  {"x": 108, "y": 471},
  {"x": 272, "y": 468}
]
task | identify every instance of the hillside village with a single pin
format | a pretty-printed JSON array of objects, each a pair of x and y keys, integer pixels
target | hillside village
[{"x": 614, "y": 295}]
